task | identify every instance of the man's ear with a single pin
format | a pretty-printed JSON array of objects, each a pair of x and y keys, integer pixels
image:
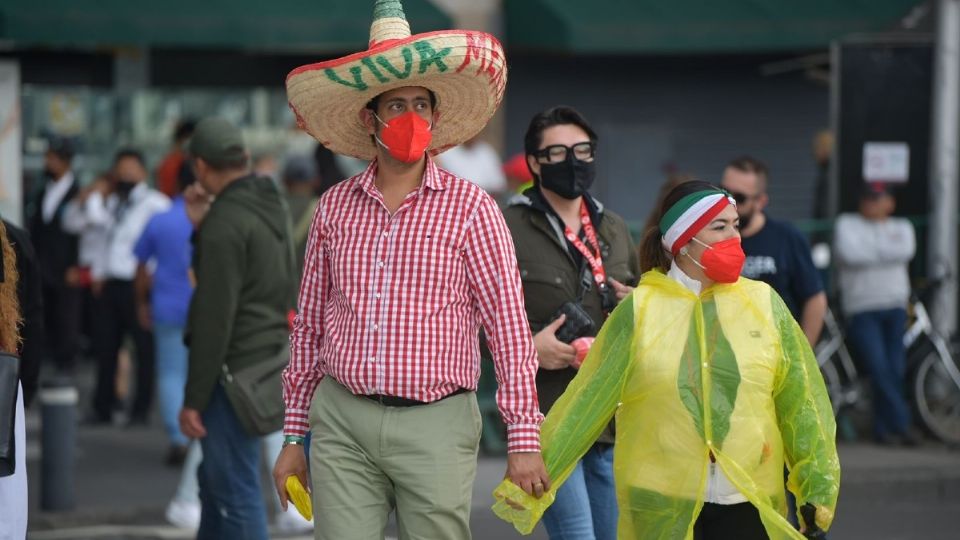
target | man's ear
[
  {"x": 762, "y": 201},
  {"x": 368, "y": 121},
  {"x": 532, "y": 164}
]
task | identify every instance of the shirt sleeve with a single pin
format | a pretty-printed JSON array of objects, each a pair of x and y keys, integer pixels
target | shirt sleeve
[
  {"x": 578, "y": 417},
  {"x": 145, "y": 248},
  {"x": 303, "y": 374},
  {"x": 220, "y": 262},
  {"x": 495, "y": 284},
  {"x": 805, "y": 278},
  {"x": 806, "y": 420}
]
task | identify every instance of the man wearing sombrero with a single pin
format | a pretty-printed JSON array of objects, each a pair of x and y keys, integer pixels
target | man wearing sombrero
[{"x": 405, "y": 262}]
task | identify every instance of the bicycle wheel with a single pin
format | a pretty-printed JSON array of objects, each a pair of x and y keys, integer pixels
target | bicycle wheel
[{"x": 937, "y": 398}]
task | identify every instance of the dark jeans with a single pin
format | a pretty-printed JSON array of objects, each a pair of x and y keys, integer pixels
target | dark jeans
[
  {"x": 877, "y": 338},
  {"x": 116, "y": 319},
  {"x": 229, "y": 476},
  {"x": 62, "y": 315},
  {"x": 727, "y": 521}
]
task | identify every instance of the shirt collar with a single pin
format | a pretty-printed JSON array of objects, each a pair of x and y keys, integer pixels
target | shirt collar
[
  {"x": 434, "y": 177},
  {"x": 682, "y": 278}
]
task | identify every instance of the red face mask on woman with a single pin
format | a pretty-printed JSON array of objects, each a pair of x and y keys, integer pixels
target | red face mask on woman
[
  {"x": 406, "y": 137},
  {"x": 721, "y": 261}
]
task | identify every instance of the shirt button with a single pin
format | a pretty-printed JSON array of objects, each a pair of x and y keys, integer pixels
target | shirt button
[
  {"x": 375, "y": 327},
  {"x": 709, "y": 442},
  {"x": 373, "y": 358},
  {"x": 376, "y": 295},
  {"x": 380, "y": 264},
  {"x": 386, "y": 233},
  {"x": 558, "y": 280}
]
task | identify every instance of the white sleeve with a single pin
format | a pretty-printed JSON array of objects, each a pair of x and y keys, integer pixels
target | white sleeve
[{"x": 899, "y": 242}]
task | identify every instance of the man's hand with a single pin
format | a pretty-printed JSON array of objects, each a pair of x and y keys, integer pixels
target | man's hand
[
  {"x": 291, "y": 462},
  {"x": 621, "y": 290},
  {"x": 526, "y": 469},
  {"x": 197, "y": 203},
  {"x": 553, "y": 353},
  {"x": 191, "y": 424}
]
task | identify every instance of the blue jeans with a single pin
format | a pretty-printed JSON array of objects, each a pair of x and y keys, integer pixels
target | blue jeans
[
  {"x": 586, "y": 504},
  {"x": 231, "y": 501},
  {"x": 171, "y": 365},
  {"x": 877, "y": 337}
]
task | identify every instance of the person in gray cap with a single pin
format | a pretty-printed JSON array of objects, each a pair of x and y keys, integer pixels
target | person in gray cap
[{"x": 245, "y": 288}]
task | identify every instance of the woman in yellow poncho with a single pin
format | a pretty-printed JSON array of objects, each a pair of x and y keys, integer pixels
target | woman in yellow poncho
[{"x": 714, "y": 388}]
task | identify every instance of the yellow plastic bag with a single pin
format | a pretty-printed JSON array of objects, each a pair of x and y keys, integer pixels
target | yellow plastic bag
[{"x": 299, "y": 497}]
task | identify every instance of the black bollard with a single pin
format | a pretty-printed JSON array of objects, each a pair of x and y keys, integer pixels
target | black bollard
[{"x": 58, "y": 402}]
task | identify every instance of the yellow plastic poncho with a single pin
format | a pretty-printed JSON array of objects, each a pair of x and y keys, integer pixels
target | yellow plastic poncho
[{"x": 728, "y": 373}]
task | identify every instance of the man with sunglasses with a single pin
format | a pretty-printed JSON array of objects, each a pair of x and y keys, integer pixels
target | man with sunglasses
[
  {"x": 576, "y": 262},
  {"x": 777, "y": 253}
]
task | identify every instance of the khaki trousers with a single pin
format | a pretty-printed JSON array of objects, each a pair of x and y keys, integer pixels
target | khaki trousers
[{"x": 367, "y": 459}]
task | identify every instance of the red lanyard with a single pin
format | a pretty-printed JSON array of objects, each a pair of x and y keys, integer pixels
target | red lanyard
[{"x": 593, "y": 258}]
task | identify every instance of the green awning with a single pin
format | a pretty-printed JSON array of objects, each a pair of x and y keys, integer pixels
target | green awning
[
  {"x": 692, "y": 26},
  {"x": 269, "y": 25}
]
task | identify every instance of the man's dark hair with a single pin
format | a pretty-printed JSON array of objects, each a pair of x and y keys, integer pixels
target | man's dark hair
[
  {"x": 752, "y": 165},
  {"x": 556, "y": 116},
  {"x": 184, "y": 130},
  {"x": 62, "y": 147},
  {"x": 375, "y": 102},
  {"x": 132, "y": 153}
]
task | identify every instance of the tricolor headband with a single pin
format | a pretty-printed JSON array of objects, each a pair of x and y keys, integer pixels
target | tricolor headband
[{"x": 690, "y": 214}]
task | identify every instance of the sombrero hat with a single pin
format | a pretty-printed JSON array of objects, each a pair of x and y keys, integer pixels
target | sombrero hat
[{"x": 466, "y": 70}]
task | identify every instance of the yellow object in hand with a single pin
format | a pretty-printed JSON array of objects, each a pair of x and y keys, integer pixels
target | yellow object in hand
[{"x": 299, "y": 496}]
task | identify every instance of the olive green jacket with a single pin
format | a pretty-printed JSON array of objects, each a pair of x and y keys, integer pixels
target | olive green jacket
[{"x": 551, "y": 278}]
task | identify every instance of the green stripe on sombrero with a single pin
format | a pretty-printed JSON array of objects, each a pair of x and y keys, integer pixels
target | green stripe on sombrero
[{"x": 384, "y": 9}]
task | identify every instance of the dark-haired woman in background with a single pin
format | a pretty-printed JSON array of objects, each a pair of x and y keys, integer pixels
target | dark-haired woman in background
[{"x": 714, "y": 387}]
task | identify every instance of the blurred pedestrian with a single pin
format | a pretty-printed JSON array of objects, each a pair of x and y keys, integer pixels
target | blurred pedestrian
[
  {"x": 404, "y": 264},
  {"x": 124, "y": 214},
  {"x": 163, "y": 292},
  {"x": 56, "y": 250},
  {"x": 576, "y": 262},
  {"x": 243, "y": 263},
  {"x": 714, "y": 388},
  {"x": 873, "y": 250},
  {"x": 328, "y": 168},
  {"x": 299, "y": 182},
  {"x": 168, "y": 172},
  {"x": 477, "y": 161},
  {"x": 777, "y": 253},
  {"x": 86, "y": 217}
]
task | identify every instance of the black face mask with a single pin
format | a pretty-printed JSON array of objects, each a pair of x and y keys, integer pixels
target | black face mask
[
  {"x": 569, "y": 179},
  {"x": 49, "y": 174},
  {"x": 124, "y": 188}
]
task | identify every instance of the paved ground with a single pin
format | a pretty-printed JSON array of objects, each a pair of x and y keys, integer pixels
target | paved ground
[{"x": 122, "y": 488}]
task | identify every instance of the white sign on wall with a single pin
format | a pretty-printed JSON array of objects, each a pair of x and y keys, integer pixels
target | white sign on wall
[
  {"x": 886, "y": 162},
  {"x": 11, "y": 171}
]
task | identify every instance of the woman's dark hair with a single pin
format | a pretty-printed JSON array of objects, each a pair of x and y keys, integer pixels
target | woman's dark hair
[
  {"x": 555, "y": 116},
  {"x": 652, "y": 253}
]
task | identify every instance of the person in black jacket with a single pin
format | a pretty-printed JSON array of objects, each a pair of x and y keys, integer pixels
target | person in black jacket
[
  {"x": 31, "y": 310},
  {"x": 56, "y": 252}
]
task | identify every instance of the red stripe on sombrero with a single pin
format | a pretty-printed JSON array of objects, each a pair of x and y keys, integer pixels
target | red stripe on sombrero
[
  {"x": 386, "y": 45},
  {"x": 700, "y": 223}
]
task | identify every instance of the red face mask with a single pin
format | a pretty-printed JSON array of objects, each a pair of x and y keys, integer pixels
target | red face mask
[
  {"x": 406, "y": 137},
  {"x": 722, "y": 261}
]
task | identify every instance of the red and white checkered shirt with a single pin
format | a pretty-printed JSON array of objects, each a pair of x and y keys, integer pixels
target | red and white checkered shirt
[{"x": 393, "y": 304}]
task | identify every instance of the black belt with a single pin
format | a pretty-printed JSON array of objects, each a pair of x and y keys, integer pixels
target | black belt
[{"x": 394, "y": 401}]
